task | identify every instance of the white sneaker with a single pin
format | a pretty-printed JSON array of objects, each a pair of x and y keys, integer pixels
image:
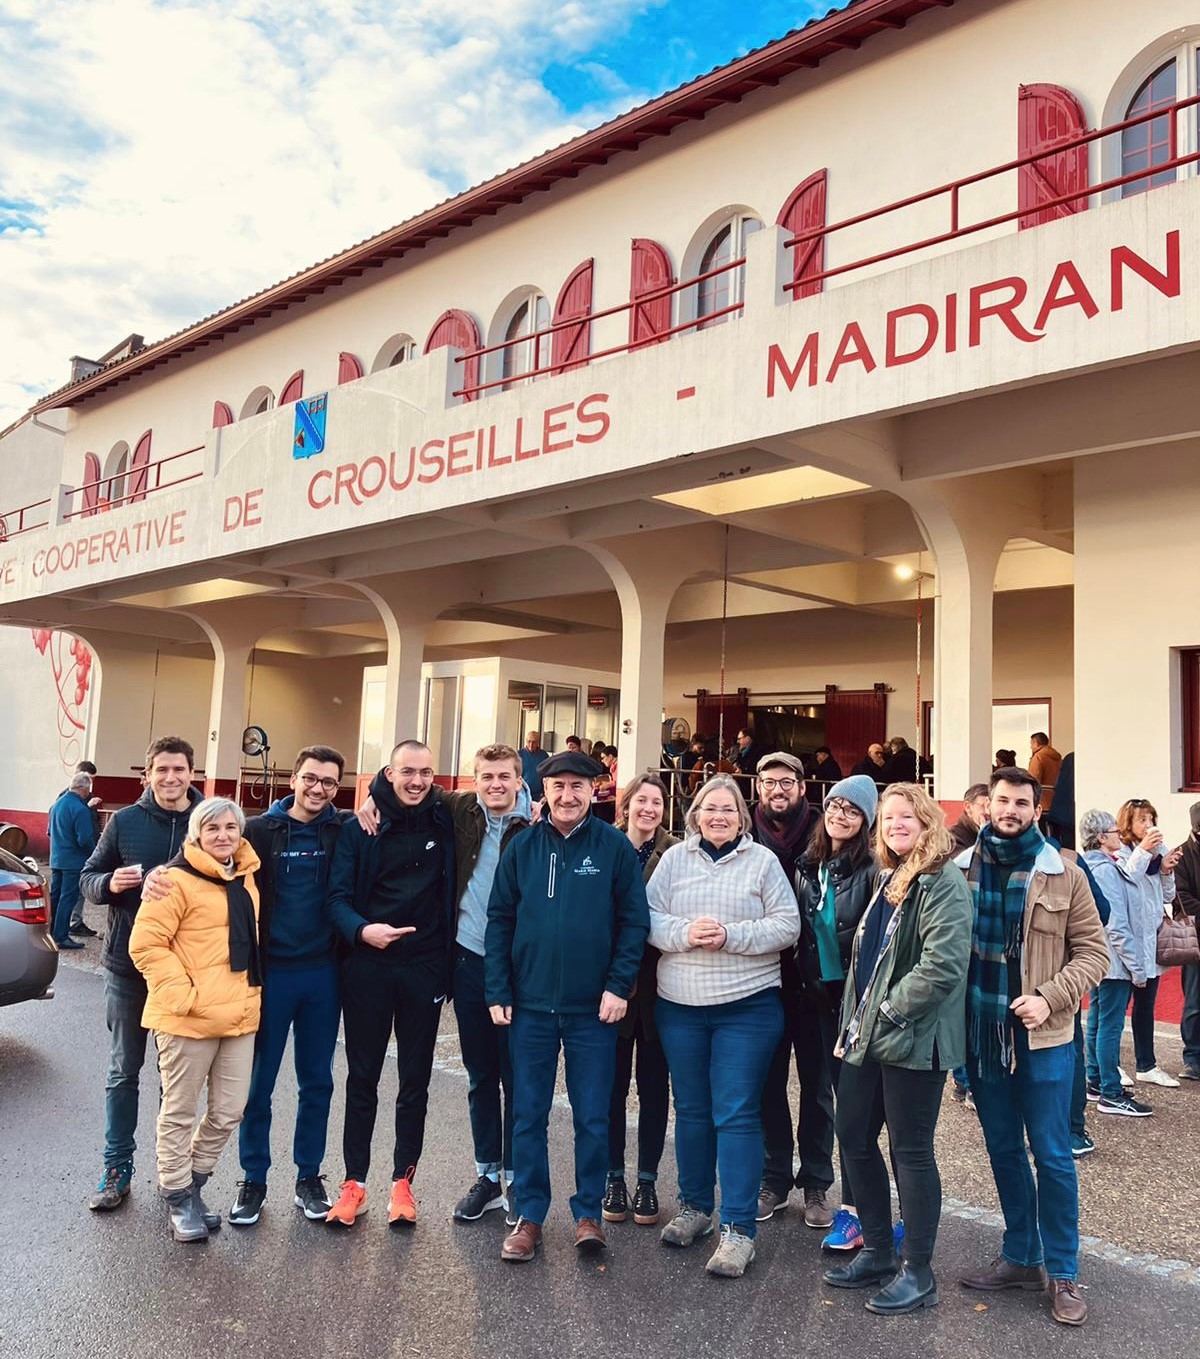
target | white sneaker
[
  {"x": 733, "y": 1253},
  {"x": 1126, "y": 1083},
  {"x": 1157, "y": 1076}
]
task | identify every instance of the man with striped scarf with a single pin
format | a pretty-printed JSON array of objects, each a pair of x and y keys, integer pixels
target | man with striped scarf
[{"x": 1037, "y": 946}]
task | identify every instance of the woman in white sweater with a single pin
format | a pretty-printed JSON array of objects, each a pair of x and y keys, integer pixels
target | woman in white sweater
[{"x": 721, "y": 910}]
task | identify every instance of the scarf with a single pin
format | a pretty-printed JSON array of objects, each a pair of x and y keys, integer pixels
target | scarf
[
  {"x": 996, "y": 942},
  {"x": 243, "y": 928},
  {"x": 785, "y": 839}
]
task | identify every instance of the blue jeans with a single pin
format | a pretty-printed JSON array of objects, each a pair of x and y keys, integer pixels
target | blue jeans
[
  {"x": 1105, "y": 1025},
  {"x": 484, "y": 1048},
  {"x": 1041, "y": 1224},
  {"x": 307, "y": 1002},
  {"x": 124, "y": 1001},
  {"x": 718, "y": 1056},
  {"x": 589, "y": 1051},
  {"x": 64, "y": 901}
]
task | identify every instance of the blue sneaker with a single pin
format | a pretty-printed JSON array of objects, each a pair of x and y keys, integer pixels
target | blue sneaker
[
  {"x": 898, "y": 1235},
  {"x": 846, "y": 1233},
  {"x": 113, "y": 1189}
]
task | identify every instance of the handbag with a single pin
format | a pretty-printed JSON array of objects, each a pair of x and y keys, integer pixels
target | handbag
[{"x": 1177, "y": 943}]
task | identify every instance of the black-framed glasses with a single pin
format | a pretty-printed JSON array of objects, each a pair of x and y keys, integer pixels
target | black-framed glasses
[
  {"x": 312, "y": 780},
  {"x": 1139, "y": 802},
  {"x": 784, "y": 785},
  {"x": 843, "y": 808}
]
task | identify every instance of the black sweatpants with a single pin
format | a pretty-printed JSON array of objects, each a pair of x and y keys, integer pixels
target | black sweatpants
[{"x": 381, "y": 995}]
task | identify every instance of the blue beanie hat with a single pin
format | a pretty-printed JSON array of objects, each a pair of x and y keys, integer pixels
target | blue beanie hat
[{"x": 857, "y": 789}]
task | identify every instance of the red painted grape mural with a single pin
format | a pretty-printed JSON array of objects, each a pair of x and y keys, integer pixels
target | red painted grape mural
[{"x": 71, "y": 665}]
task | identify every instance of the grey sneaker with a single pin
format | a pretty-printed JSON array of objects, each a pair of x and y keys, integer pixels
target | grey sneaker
[
  {"x": 733, "y": 1253},
  {"x": 689, "y": 1225},
  {"x": 769, "y": 1203}
]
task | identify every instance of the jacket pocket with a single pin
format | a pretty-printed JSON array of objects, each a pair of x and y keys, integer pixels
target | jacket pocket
[{"x": 890, "y": 1044}]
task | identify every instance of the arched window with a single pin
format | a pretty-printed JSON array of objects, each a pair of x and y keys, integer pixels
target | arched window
[
  {"x": 532, "y": 314},
  {"x": 725, "y": 289},
  {"x": 396, "y": 349},
  {"x": 1149, "y": 143},
  {"x": 116, "y": 465},
  {"x": 261, "y": 399}
]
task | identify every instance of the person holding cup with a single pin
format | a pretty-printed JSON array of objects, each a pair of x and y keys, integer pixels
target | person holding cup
[
  {"x": 136, "y": 840},
  {"x": 1145, "y": 857}
]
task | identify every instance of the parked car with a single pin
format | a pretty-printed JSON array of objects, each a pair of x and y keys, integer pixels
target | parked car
[{"x": 28, "y": 955}]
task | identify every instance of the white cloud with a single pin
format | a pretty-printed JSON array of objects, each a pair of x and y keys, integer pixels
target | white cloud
[{"x": 159, "y": 161}]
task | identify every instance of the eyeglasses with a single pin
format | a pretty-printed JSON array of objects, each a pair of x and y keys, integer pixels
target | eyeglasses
[
  {"x": 784, "y": 785},
  {"x": 847, "y": 809},
  {"x": 312, "y": 780},
  {"x": 1138, "y": 802}
]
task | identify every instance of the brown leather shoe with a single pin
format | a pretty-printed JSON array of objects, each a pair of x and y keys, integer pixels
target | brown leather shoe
[
  {"x": 1001, "y": 1273},
  {"x": 589, "y": 1235},
  {"x": 1066, "y": 1302},
  {"x": 522, "y": 1242}
]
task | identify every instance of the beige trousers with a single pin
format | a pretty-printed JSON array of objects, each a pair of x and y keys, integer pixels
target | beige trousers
[{"x": 186, "y": 1066}]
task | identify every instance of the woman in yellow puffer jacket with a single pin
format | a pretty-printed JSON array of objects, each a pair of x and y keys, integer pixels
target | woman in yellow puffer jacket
[{"x": 197, "y": 947}]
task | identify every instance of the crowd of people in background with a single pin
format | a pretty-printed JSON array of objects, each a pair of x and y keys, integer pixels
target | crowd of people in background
[{"x": 856, "y": 939}]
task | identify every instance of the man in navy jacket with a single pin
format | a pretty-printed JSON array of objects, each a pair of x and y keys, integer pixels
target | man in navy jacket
[
  {"x": 567, "y": 923},
  {"x": 72, "y": 839}
]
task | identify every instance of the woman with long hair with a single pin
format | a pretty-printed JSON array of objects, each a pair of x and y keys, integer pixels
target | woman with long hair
[
  {"x": 640, "y": 815},
  {"x": 903, "y": 1026},
  {"x": 721, "y": 909},
  {"x": 197, "y": 947},
  {"x": 1145, "y": 858},
  {"x": 835, "y": 879}
]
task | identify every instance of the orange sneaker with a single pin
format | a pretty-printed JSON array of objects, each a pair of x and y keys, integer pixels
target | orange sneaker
[
  {"x": 351, "y": 1203},
  {"x": 402, "y": 1207}
]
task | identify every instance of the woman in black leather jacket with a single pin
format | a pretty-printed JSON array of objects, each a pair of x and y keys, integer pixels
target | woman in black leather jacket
[{"x": 834, "y": 882}]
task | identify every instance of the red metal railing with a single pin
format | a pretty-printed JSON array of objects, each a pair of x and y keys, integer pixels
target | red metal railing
[
  {"x": 955, "y": 187},
  {"x": 145, "y": 480},
  {"x": 534, "y": 337},
  {"x": 17, "y": 517}
]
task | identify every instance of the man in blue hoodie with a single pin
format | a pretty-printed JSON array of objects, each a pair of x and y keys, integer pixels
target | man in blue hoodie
[
  {"x": 72, "y": 839},
  {"x": 295, "y": 840},
  {"x": 567, "y": 925}
]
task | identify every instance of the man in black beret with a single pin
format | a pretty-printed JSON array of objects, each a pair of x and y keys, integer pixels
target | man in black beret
[{"x": 567, "y": 923}]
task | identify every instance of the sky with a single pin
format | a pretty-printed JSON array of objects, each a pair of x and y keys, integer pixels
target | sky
[{"x": 162, "y": 159}]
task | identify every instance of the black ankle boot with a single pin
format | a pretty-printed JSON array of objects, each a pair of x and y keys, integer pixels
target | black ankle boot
[
  {"x": 869, "y": 1267},
  {"x": 912, "y": 1288},
  {"x": 211, "y": 1220},
  {"x": 186, "y": 1222}
]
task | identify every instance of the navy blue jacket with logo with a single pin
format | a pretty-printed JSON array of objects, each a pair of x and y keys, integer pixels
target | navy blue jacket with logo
[{"x": 567, "y": 919}]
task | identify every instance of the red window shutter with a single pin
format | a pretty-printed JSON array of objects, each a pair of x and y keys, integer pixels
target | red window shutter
[
  {"x": 293, "y": 389},
  {"x": 571, "y": 345},
  {"x": 350, "y": 367},
  {"x": 138, "y": 475},
  {"x": 90, "y": 489},
  {"x": 458, "y": 330},
  {"x": 222, "y": 414},
  {"x": 650, "y": 272},
  {"x": 805, "y": 211},
  {"x": 1048, "y": 115}
]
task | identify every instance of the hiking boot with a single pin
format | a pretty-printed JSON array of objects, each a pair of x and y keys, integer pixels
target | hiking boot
[
  {"x": 113, "y": 1189},
  {"x": 1002, "y": 1273},
  {"x": 688, "y": 1225},
  {"x": 247, "y": 1207},
  {"x": 646, "y": 1211},
  {"x": 769, "y": 1203},
  {"x": 817, "y": 1213},
  {"x": 733, "y": 1253},
  {"x": 1125, "y": 1105},
  {"x": 211, "y": 1220},
  {"x": 521, "y": 1244},
  {"x": 615, "y": 1207},
  {"x": 186, "y": 1222},
  {"x": 402, "y": 1207},
  {"x": 846, "y": 1233},
  {"x": 484, "y": 1196},
  {"x": 312, "y": 1198},
  {"x": 1066, "y": 1303},
  {"x": 351, "y": 1204}
]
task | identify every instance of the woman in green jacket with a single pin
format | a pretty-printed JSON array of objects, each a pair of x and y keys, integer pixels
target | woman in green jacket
[{"x": 902, "y": 1028}]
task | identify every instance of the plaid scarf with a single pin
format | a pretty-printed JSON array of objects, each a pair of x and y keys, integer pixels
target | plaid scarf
[{"x": 996, "y": 941}]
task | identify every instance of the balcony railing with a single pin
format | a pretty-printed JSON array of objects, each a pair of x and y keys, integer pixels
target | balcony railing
[
  {"x": 143, "y": 481},
  {"x": 15, "y": 522}
]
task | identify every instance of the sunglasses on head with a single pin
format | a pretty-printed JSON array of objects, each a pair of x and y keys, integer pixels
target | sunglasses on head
[{"x": 1138, "y": 802}]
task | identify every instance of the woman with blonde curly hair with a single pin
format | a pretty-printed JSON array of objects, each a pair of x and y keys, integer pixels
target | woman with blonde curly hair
[{"x": 903, "y": 1026}]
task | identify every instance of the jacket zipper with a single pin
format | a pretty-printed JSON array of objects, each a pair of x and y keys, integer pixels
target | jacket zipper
[{"x": 553, "y": 870}]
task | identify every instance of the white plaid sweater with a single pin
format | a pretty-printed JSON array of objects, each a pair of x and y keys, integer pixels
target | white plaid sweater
[{"x": 748, "y": 893}]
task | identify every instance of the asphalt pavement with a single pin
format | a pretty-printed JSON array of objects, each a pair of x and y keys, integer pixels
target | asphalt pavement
[{"x": 79, "y": 1283}]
